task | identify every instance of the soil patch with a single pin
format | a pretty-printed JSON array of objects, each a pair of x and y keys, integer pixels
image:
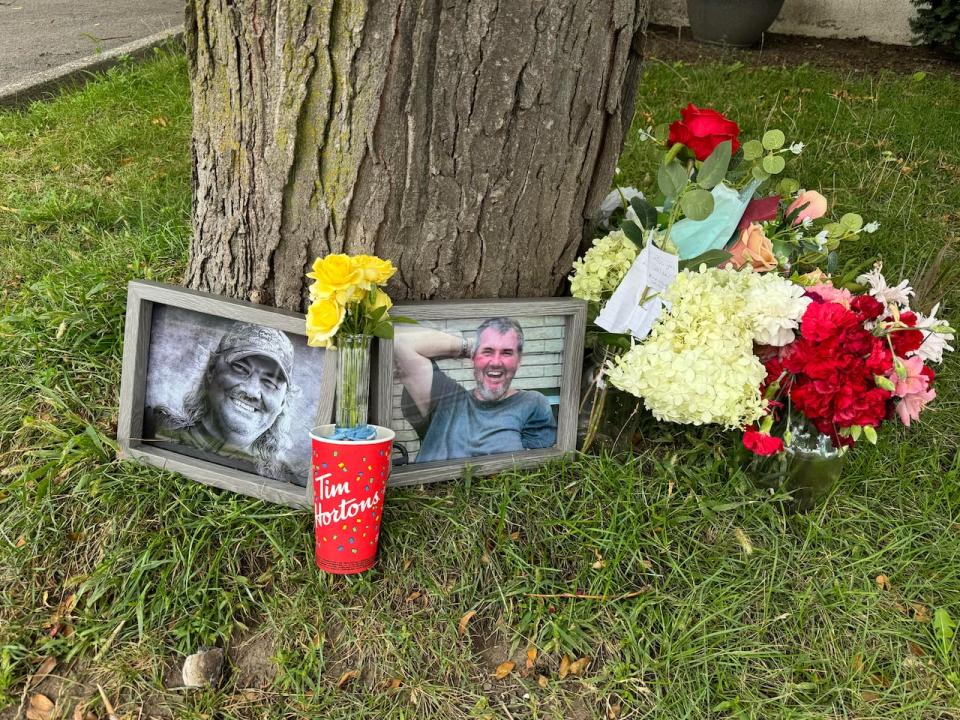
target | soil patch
[{"x": 855, "y": 55}]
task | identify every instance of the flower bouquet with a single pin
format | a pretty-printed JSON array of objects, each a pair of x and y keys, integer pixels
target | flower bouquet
[
  {"x": 348, "y": 307},
  {"x": 723, "y": 301}
]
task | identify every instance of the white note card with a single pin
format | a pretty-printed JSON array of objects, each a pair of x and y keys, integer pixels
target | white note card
[{"x": 651, "y": 273}]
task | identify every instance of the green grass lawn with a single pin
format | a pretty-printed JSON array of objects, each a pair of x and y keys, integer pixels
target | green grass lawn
[{"x": 735, "y": 608}]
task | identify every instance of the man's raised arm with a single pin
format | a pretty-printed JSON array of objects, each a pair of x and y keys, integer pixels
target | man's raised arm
[{"x": 413, "y": 350}]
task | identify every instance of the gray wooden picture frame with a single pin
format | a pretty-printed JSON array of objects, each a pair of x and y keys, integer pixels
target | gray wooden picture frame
[
  {"x": 142, "y": 297},
  {"x": 575, "y": 313}
]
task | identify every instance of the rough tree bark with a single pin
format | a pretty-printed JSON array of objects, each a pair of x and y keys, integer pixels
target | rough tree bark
[{"x": 466, "y": 140}]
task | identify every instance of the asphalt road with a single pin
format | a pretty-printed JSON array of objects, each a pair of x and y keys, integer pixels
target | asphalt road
[{"x": 39, "y": 35}]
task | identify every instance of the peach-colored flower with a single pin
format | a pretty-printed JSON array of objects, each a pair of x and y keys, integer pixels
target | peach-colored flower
[
  {"x": 816, "y": 206},
  {"x": 755, "y": 248},
  {"x": 814, "y": 277}
]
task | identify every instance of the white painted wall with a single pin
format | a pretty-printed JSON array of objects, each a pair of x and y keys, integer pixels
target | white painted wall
[{"x": 885, "y": 21}]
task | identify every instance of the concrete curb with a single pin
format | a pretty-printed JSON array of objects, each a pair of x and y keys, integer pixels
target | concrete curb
[{"x": 47, "y": 82}]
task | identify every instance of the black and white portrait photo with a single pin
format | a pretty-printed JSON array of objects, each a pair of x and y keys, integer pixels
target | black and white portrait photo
[
  {"x": 239, "y": 394},
  {"x": 472, "y": 387}
]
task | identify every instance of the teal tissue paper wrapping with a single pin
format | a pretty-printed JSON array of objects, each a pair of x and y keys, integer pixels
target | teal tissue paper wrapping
[{"x": 695, "y": 237}]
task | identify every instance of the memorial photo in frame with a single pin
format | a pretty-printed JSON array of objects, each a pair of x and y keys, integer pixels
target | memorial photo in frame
[
  {"x": 222, "y": 391},
  {"x": 489, "y": 384}
]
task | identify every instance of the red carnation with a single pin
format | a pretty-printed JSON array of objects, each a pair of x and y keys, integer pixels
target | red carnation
[
  {"x": 761, "y": 443},
  {"x": 906, "y": 341},
  {"x": 827, "y": 320},
  {"x": 702, "y": 129},
  {"x": 866, "y": 307}
]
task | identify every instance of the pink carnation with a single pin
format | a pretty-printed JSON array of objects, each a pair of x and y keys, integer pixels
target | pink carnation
[{"x": 829, "y": 293}]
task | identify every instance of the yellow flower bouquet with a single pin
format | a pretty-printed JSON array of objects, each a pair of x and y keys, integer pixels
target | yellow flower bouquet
[
  {"x": 346, "y": 297},
  {"x": 347, "y": 308}
]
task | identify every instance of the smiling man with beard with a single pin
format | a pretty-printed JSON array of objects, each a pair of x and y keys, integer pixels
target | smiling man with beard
[
  {"x": 455, "y": 423},
  {"x": 237, "y": 410}
]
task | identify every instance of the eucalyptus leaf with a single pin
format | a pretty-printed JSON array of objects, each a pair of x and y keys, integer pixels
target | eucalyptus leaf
[
  {"x": 714, "y": 168},
  {"x": 671, "y": 179},
  {"x": 852, "y": 221},
  {"x": 697, "y": 204},
  {"x": 788, "y": 185},
  {"x": 645, "y": 211},
  {"x": 752, "y": 150},
  {"x": 773, "y": 139},
  {"x": 711, "y": 258},
  {"x": 835, "y": 229},
  {"x": 633, "y": 232},
  {"x": 759, "y": 173},
  {"x": 774, "y": 164}
]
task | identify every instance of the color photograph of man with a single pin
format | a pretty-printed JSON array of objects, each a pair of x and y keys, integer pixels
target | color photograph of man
[
  {"x": 492, "y": 416},
  {"x": 238, "y": 409}
]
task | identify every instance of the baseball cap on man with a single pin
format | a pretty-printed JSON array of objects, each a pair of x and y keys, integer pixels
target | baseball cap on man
[{"x": 244, "y": 339}]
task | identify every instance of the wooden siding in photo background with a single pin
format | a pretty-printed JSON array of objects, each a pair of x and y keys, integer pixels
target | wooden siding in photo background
[{"x": 541, "y": 366}]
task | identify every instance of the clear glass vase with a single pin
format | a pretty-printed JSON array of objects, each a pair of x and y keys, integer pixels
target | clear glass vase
[
  {"x": 808, "y": 469},
  {"x": 813, "y": 466},
  {"x": 353, "y": 380}
]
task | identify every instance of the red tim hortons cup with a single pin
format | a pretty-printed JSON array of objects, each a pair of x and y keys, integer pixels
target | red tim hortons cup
[{"x": 349, "y": 480}]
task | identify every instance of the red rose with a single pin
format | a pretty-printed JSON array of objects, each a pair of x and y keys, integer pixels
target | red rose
[
  {"x": 702, "y": 129},
  {"x": 761, "y": 443}
]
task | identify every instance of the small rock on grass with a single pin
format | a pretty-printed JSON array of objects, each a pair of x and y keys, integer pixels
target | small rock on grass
[{"x": 204, "y": 668}]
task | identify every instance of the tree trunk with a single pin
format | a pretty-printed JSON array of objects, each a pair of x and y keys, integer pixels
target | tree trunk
[{"x": 466, "y": 141}]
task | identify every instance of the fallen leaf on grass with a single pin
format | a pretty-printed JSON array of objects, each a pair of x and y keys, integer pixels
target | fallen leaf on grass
[
  {"x": 600, "y": 563},
  {"x": 504, "y": 669},
  {"x": 347, "y": 677},
  {"x": 159, "y": 120},
  {"x": 531, "y": 657},
  {"x": 868, "y": 696},
  {"x": 515, "y": 536},
  {"x": 578, "y": 666},
  {"x": 413, "y": 596},
  {"x": 921, "y": 613},
  {"x": 915, "y": 649},
  {"x": 21, "y": 541},
  {"x": 857, "y": 664},
  {"x": 542, "y": 681},
  {"x": 46, "y": 667},
  {"x": 462, "y": 625},
  {"x": 41, "y": 708},
  {"x": 564, "y": 666},
  {"x": 392, "y": 684},
  {"x": 883, "y": 582},
  {"x": 613, "y": 711}
]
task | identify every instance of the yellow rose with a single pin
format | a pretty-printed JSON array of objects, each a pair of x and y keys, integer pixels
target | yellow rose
[
  {"x": 323, "y": 320},
  {"x": 380, "y": 300},
  {"x": 373, "y": 269},
  {"x": 336, "y": 276},
  {"x": 755, "y": 248}
]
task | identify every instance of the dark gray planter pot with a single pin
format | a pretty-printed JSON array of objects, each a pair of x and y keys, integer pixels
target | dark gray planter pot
[{"x": 740, "y": 23}]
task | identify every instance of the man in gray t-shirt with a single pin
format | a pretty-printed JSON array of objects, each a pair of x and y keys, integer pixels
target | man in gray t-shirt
[{"x": 455, "y": 423}]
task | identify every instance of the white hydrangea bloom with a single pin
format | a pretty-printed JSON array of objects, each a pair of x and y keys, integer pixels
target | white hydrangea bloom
[
  {"x": 871, "y": 227},
  {"x": 598, "y": 273},
  {"x": 797, "y": 148}
]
